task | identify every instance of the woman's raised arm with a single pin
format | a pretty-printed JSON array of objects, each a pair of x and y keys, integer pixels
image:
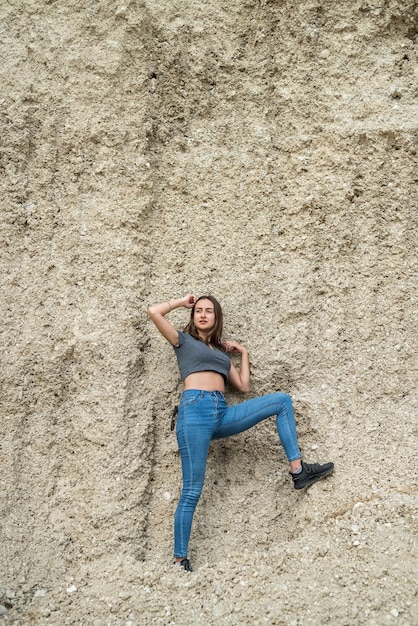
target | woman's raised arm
[{"x": 157, "y": 313}]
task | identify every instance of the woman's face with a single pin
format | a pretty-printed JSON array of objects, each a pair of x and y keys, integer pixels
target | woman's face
[{"x": 204, "y": 316}]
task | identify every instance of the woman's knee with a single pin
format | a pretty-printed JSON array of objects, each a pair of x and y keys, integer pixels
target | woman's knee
[
  {"x": 283, "y": 398},
  {"x": 284, "y": 404},
  {"x": 191, "y": 495}
]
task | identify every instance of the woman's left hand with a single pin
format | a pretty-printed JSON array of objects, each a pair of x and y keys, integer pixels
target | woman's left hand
[{"x": 234, "y": 346}]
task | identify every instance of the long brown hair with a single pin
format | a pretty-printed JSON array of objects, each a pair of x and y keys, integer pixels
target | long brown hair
[{"x": 216, "y": 337}]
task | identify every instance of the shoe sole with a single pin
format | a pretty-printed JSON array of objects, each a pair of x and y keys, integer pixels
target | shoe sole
[{"x": 314, "y": 479}]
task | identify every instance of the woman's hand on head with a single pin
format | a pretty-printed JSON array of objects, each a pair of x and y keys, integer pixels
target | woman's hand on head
[{"x": 189, "y": 301}]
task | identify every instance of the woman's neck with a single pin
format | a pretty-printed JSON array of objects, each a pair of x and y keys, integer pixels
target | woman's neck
[{"x": 205, "y": 338}]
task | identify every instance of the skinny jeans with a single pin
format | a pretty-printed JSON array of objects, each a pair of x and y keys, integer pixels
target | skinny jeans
[{"x": 203, "y": 416}]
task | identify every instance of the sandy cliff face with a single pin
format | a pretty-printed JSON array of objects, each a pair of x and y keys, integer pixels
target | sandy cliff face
[{"x": 265, "y": 152}]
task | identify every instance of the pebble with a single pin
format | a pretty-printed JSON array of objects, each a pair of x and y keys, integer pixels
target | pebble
[
  {"x": 125, "y": 595},
  {"x": 3, "y": 610}
]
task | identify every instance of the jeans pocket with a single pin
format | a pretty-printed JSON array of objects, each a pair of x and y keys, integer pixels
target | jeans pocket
[{"x": 190, "y": 397}]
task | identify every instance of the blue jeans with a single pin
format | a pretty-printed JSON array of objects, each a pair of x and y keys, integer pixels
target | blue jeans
[{"x": 203, "y": 416}]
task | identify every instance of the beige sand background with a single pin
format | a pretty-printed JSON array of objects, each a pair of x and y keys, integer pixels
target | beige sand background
[{"x": 263, "y": 151}]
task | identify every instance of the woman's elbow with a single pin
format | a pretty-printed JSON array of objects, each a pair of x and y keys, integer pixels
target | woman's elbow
[{"x": 245, "y": 389}]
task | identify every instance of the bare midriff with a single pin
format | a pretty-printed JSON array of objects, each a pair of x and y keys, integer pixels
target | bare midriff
[{"x": 206, "y": 381}]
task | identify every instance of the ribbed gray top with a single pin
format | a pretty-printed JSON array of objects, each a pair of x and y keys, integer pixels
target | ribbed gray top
[{"x": 195, "y": 356}]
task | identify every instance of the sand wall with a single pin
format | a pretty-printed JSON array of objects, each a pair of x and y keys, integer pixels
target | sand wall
[{"x": 265, "y": 152}]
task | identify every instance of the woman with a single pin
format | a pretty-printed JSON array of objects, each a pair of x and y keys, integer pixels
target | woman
[{"x": 205, "y": 367}]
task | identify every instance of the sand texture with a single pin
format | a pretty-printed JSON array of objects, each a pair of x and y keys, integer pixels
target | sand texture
[{"x": 262, "y": 151}]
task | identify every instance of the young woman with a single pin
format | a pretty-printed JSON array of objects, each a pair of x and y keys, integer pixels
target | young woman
[{"x": 205, "y": 368}]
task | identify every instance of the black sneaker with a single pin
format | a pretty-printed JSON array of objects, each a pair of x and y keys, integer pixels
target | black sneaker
[
  {"x": 185, "y": 564},
  {"x": 310, "y": 473}
]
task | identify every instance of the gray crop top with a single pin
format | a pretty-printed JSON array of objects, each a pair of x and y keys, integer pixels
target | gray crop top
[{"x": 195, "y": 356}]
